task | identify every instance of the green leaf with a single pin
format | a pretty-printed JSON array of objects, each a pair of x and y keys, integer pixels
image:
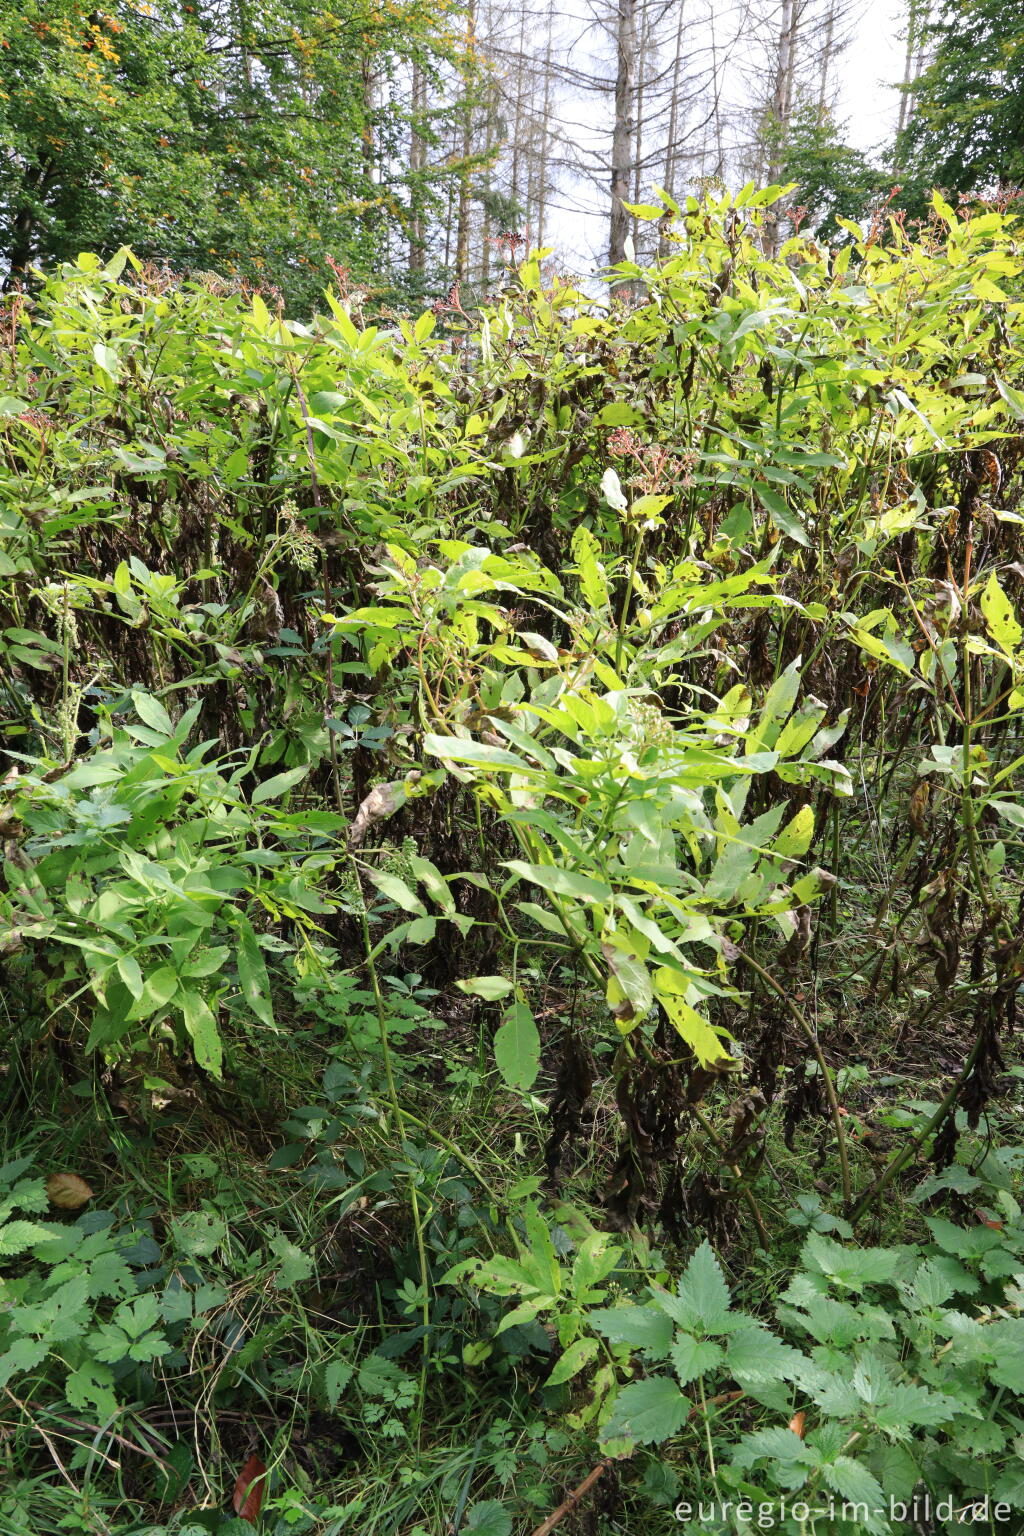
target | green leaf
[
  {"x": 477, "y": 754},
  {"x": 280, "y": 784},
  {"x": 397, "y": 891},
  {"x": 669, "y": 987},
  {"x": 574, "y": 1359},
  {"x": 648, "y": 1412},
  {"x": 645, "y": 1328},
  {"x": 337, "y": 1376},
  {"x": 795, "y": 838},
  {"x": 489, "y": 987},
  {"x": 782, "y": 514},
  {"x": 702, "y": 1301},
  {"x": 203, "y": 1031},
  {"x": 517, "y": 1047},
  {"x": 999, "y": 616},
  {"x": 488, "y": 1518},
  {"x": 152, "y": 713},
  {"x": 694, "y": 1357},
  {"x": 431, "y": 878},
  {"x": 563, "y": 882},
  {"x": 252, "y": 971},
  {"x": 16, "y": 1236}
]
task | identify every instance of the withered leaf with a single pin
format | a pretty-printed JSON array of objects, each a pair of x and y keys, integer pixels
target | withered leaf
[
  {"x": 249, "y": 1485},
  {"x": 67, "y": 1191}
]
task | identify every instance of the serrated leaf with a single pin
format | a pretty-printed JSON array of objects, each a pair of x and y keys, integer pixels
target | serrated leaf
[
  {"x": 647, "y": 1412},
  {"x": 702, "y": 1302},
  {"x": 694, "y": 1357},
  {"x": 643, "y": 1328}
]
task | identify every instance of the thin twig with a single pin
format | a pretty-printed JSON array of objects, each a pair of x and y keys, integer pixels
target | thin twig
[{"x": 570, "y": 1503}]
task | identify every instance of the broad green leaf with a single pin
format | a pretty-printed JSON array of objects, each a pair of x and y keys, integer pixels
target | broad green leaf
[
  {"x": 1002, "y": 622},
  {"x": 517, "y": 1047},
  {"x": 477, "y": 754},
  {"x": 203, "y": 1031},
  {"x": 152, "y": 712},
  {"x": 564, "y": 882},
  {"x": 669, "y": 988},
  {"x": 489, "y": 987},
  {"x": 280, "y": 784},
  {"x": 252, "y": 971},
  {"x": 575, "y": 1358},
  {"x": 647, "y": 1328},
  {"x": 648, "y": 1412},
  {"x": 795, "y": 838},
  {"x": 397, "y": 891}
]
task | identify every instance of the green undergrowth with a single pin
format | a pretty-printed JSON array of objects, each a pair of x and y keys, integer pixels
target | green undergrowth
[{"x": 511, "y": 898}]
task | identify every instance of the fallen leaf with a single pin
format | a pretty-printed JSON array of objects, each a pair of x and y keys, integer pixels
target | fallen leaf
[
  {"x": 67, "y": 1191},
  {"x": 248, "y": 1494}
]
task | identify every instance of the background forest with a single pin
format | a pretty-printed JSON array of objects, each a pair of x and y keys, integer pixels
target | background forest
[{"x": 512, "y": 848}]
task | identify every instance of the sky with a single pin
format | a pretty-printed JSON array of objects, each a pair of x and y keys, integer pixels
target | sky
[{"x": 867, "y": 105}]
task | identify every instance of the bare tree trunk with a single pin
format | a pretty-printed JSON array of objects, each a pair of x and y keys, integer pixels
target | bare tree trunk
[
  {"x": 545, "y": 130},
  {"x": 782, "y": 89},
  {"x": 622, "y": 134},
  {"x": 915, "y": 18},
  {"x": 462, "y": 235},
  {"x": 827, "y": 59},
  {"x": 417, "y": 164}
]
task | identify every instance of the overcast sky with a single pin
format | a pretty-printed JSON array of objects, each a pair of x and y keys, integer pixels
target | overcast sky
[{"x": 867, "y": 106}]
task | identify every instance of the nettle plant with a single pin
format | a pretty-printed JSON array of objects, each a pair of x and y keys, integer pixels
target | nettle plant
[
  {"x": 887, "y": 1375},
  {"x": 632, "y": 818}
]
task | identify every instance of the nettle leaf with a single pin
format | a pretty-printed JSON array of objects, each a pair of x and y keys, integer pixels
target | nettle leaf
[
  {"x": 517, "y": 1047},
  {"x": 488, "y": 1518},
  {"x": 701, "y": 1303},
  {"x": 694, "y": 1357},
  {"x": 644, "y": 1328},
  {"x": 647, "y": 1412},
  {"x": 755, "y": 1356},
  {"x": 855, "y": 1485},
  {"x": 16, "y": 1236},
  {"x": 853, "y": 1268}
]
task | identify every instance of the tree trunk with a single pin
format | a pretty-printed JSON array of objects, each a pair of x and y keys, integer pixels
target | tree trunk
[
  {"x": 417, "y": 163},
  {"x": 622, "y": 135}
]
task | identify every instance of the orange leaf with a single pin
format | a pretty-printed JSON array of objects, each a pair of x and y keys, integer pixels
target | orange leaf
[
  {"x": 248, "y": 1494},
  {"x": 796, "y": 1424}
]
